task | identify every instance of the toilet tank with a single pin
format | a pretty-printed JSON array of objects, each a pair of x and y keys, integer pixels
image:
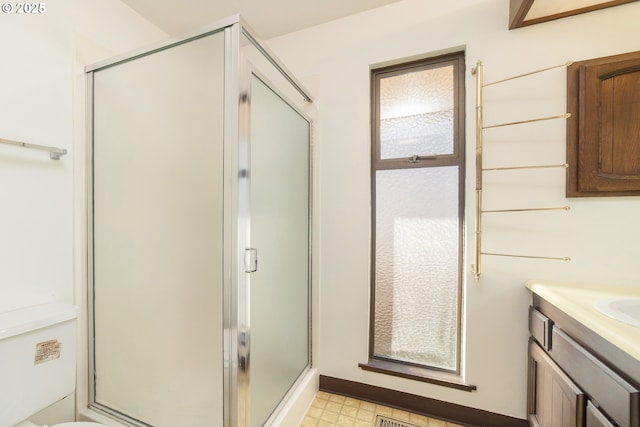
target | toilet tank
[{"x": 37, "y": 359}]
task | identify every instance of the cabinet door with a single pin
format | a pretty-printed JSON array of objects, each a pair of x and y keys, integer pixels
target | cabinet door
[
  {"x": 554, "y": 400},
  {"x": 595, "y": 418},
  {"x": 603, "y": 132}
]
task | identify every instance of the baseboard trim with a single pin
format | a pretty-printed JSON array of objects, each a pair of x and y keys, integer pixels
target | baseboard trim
[{"x": 421, "y": 405}]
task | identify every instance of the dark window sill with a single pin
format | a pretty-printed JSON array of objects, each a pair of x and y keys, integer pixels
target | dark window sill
[{"x": 416, "y": 373}]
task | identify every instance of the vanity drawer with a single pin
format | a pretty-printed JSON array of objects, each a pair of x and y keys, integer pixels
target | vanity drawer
[
  {"x": 616, "y": 397},
  {"x": 540, "y": 328}
]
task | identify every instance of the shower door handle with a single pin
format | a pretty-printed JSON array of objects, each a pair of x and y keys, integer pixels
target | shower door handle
[{"x": 250, "y": 260}]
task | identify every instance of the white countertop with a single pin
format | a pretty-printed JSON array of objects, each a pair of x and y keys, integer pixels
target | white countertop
[{"x": 578, "y": 301}]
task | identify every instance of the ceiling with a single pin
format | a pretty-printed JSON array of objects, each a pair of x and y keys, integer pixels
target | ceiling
[
  {"x": 268, "y": 18},
  {"x": 272, "y": 18}
]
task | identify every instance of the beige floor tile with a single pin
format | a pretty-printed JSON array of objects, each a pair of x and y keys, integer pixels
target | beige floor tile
[
  {"x": 309, "y": 422},
  {"x": 319, "y": 403},
  {"x": 329, "y": 416},
  {"x": 368, "y": 406},
  {"x": 337, "y": 398},
  {"x": 314, "y": 412},
  {"x": 349, "y": 411},
  {"x": 400, "y": 415},
  {"x": 345, "y": 421},
  {"x": 324, "y": 395},
  {"x": 322, "y": 423},
  {"x": 437, "y": 423},
  {"x": 364, "y": 415},
  {"x": 384, "y": 410},
  {"x": 419, "y": 419},
  {"x": 360, "y": 423},
  {"x": 348, "y": 401},
  {"x": 333, "y": 407}
]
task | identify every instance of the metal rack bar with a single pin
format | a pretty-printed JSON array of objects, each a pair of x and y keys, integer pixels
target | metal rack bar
[
  {"x": 566, "y": 64},
  {"x": 508, "y": 168},
  {"x": 539, "y": 119},
  {"x": 560, "y": 208},
  {"x": 54, "y": 152},
  {"x": 476, "y": 267},
  {"x": 566, "y": 259}
]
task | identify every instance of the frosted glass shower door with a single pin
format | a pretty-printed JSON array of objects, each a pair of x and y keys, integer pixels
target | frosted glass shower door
[
  {"x": 279, "y": 289},
  {"x": 157, "y": 236}
]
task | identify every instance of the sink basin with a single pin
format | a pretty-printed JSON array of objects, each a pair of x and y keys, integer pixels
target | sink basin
[{"x": 626, "y": 310}]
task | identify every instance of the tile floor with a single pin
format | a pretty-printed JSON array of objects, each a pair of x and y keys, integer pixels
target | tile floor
[{"x": 332, "y": 410}]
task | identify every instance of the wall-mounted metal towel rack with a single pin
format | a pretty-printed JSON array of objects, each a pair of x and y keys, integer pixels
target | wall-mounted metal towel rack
[
  {"x": 54, "y": 152},
  {"x": 480, "y": 169}
]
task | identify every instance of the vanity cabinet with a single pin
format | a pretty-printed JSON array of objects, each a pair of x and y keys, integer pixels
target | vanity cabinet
[{"x": 575, "y": 378}]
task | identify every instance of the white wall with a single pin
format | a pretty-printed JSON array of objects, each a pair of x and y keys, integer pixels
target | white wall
[
  {"x": 42, "y": 102},
  {"x": 600, "y": 235},
  {"x": 35, "y": 106},
  {"x": 43, "y": 57}
]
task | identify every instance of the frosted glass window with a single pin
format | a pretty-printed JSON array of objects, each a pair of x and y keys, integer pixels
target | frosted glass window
[
  {"x": 416, "y": 113},
  {"x": 417, "y": 204},
  {"x": 417, "y": 235}
]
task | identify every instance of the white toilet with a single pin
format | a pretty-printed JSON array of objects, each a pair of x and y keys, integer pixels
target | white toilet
[{"x": 37, "y": 361}]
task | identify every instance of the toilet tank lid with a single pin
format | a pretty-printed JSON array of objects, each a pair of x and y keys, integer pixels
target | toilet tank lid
[{"x": 27, "y": 319}]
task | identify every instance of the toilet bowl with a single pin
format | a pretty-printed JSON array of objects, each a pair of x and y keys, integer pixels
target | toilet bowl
[{"x": 37, "y": 362}]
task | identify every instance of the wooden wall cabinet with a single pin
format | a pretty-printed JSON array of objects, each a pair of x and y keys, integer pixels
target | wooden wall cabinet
[{"x": 603, "y": 132}]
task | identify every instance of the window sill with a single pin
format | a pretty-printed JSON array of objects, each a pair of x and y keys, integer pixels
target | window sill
[{"x": 416, "y": 373}]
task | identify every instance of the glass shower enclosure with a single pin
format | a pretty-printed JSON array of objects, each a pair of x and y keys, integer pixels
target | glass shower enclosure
[{"x": 199, "y": 232}]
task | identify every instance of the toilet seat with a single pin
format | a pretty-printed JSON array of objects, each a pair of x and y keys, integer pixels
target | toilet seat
[
  {"x": 69, "y": 424},
  {"x": 79, "y": 424}
]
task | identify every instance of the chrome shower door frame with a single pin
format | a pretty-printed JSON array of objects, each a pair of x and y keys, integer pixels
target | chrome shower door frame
[
  {"x": 236, "y": 223},
  {"x": 274, "y": 75}
]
